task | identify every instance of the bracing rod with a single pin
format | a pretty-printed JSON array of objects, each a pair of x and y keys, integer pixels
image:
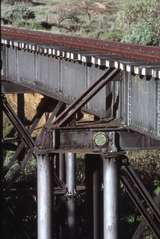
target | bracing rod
[
  {"x": 85, "y": 97},
  {"x": 18, "y": 124},
  {"x": 141, "y": 198}
]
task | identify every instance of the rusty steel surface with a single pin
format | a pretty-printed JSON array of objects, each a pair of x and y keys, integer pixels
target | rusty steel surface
[
  {"x": 141, "y": 198},
  {"x": 146, "y": 54},
  {"x": 64, "y": 67}
]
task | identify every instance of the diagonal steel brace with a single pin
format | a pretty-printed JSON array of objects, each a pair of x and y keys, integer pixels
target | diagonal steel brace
[
  {"x": 22, "y": 145},
  {"x": 31, "y": 150},
  {"x": 27, "y": 139},
  {"x": 141, "y": 198},
  {"x": 36, "y": 120},
  {"x": 64, "y": 117}
]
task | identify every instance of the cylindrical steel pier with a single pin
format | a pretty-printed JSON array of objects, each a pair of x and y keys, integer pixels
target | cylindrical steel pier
[
  {"x": 44, "y": 197},
  {"x": 70, "y": 172},
  {"x": 61, "y": 175},
  {"x": 89, "y": 194},
  {"x": 93, "y": 190},
  {"x": 70, "y": 184},
  {"x": 110, "y": 199},
  {"x": 61, "y": 166},
  {"x": 96, "y": 196}
]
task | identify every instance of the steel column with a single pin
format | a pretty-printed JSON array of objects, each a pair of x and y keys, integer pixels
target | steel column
[
  {"x": 20, "y": 107},
  {"x": 61, "y": 166},
  {"x": 93, "y": 206},
  {"x": 110, "y": 199},
  {"x": 70, "y": 183},
  {"x": 62, "y": 179},
  {"x": 44, "y": 197},
  {"x": 89, "y": 194},
  {"x": 70, "y": 173},
  {"x": 96, "y": 197}
]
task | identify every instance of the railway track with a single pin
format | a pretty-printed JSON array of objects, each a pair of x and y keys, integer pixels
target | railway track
[{"x": 125, "y": 52}]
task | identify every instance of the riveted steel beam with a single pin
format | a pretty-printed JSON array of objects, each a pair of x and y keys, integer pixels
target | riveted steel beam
[
  {"x": 85, "y": 97},
  {"x": 96, "y": 139}
]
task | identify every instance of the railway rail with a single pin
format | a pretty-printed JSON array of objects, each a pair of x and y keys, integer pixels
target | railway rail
[{"x": 129, "y": 57}]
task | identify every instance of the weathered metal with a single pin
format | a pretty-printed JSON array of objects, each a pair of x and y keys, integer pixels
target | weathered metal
[
  {"x": 93, "y": 168},
  {"x": 110, "y": 80},
  {"x": 85, "y": 97},
  {"x": 76, "y": 70},
  {"x": 140, "y": 104},
  {"x": 82, "y": 139},
  {"x": 110, "y": 199},
  {"x": 44, "y": 197},
  {"x": 15, "y": 37},
  {"x": 10, "y": 88},
  {"x": 89, "y": 194},
  {"x": 70, "y": 173},
  {"x": 141, "y": 199},
  {"x": 30, "y": 150},
  {"x": 67, "y": 83},
  {"x": 62, "y": 167},
  {"x": 142, "y": 225},
  {"x": 77, "y": 64},
  {"x": 17, "y": 123},
  {"x": 96, "y": 161},
  {"x": 20, "y": 107},
  {"x": 70, "y": 184}
]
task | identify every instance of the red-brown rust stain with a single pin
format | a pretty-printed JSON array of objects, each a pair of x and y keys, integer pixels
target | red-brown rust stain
[{"x": 148, "y": 54}]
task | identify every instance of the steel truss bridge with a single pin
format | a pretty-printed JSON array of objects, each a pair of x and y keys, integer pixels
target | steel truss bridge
[{"x": 117, "y": 83}]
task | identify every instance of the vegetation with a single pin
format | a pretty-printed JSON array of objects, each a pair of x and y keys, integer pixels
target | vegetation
[
  {"x": 85, "y": 18},
  {"x": 139, "y": 21}
]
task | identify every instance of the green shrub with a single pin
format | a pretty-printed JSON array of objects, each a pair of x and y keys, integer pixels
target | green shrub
[
  {"x": 141, "y": 32},
  {"x": 139, "y": 21},
  {"x": 19, "y": 13}
]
